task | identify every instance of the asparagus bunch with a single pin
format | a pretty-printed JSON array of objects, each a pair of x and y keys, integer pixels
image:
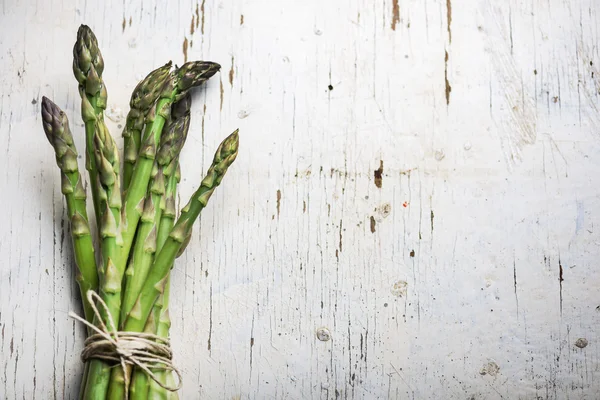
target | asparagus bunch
[{"x": 139, "y": 232}]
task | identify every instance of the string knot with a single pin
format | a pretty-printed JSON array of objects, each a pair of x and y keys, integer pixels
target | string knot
[{"x": 144, "y": 350}]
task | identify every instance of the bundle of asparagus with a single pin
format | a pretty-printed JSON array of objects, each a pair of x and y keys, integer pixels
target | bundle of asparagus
[{"x": 139, "y": 232}]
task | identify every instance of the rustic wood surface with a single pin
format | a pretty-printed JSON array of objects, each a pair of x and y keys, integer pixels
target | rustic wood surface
[{"x": 417, "y": 182}]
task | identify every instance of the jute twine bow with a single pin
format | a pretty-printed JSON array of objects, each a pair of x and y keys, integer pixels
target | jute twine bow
[{"x": 144, "y": 350}]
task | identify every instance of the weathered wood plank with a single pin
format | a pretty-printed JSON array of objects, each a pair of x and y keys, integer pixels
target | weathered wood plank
[{"x": 416, "y": 178}]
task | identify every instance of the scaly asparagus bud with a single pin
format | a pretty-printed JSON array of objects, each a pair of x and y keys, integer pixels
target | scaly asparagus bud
[
  {"x": 56, "y": 128},
  {"x": 88, "y": 63},
  {"x": 143, "y": 97},
  {"x": 88, "y": 66}
]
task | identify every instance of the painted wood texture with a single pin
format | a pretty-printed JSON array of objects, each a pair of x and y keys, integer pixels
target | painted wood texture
[{"x": 418, "y": 180}]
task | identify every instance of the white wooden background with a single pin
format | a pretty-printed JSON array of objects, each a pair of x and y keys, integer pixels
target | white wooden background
[{"x": 467, "y": 270}]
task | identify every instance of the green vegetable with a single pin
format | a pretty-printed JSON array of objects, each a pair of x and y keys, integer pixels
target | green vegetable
[
  {"x": 139, "y": 238},
  {"x": 56, "y": 127},
  {"x": 143, "y": 97}
]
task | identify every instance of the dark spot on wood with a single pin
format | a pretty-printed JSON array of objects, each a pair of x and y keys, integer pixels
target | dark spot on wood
[
  {"x": 202, "y": 10},
  {"x": 242, "y": 19},
  {"x": 535, "y": 71},
  {"x": 124, "y": 24},
  {"x": 278, "y": 201},
  {"x": 447, "y": 83},
  {"x": 185, "y": 49},
  {"x": 560, "y": 277},
  {"x": 385, "y": 304},
  {"x": 130, "y": 21},
  {"x": 560, "y": 281},
  {"x": 515, "y": 284},
  {"x": 412, "y": 253},
  {"x": 378, "y": 174},
  {"x": 431, "y": 218},
  {"x": 34, "y": 101},
  {"x": 341, "y": 235},
  {"x": 581, "y": 343},
  {"x": 304, "y": 206},
  {"x": 197, "y": 15},
  {"x": 449, "y": 19},
  {"x": 395, "y": 14},
  {"x": 191, "y": 44},
  {"x": 192, "y": 26},
  {"x": 231, "y": 72},
  {"x": 373, "y": 223},
  {"x": 330, "y": 87},
  {"x": 251, "y": 342},
  {"x": 221, "y": 89}
]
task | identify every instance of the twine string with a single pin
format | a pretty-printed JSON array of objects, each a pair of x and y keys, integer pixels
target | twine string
[{"x": 143, "y": 350}]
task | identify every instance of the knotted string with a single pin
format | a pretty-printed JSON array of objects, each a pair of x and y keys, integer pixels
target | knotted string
[{"x": 144, "y": 350}]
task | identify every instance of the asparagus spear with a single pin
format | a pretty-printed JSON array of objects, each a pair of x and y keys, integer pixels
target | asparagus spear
[
  {"x": 102, "y": 163},
  {"x": 155, "y": 282},
  {"x": 156, "y": 392},
  {"x": 109, "y": 201},
  {"x": 88, "y": 66},
  {"x": 153, "y": 390},
  {"x": 56, "y": 127},
  {"x": 145, "y": 247},
  {"x": 109, "y": 195},
  {"x": 167, "y": 220},
  {"x": 178, "y": 83},
  {"x": 171, "y": 144},
  {"x": 142, "y": 98}
]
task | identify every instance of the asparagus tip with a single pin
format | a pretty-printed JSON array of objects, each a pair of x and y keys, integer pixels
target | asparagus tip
[
  {"x": 194, "y": 73},
  {"x": 53, "y": 119}
]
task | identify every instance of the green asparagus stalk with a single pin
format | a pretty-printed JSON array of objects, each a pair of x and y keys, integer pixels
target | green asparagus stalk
[
  {"x": 155, "y": 282},
  {"x": 156, "y": 392},
  {"x": 88, "y": 66},
  {"x": 142, "y": 98},
  {"x": 102, "y": 163},
  {"x": 172, "y": 176},
  {"x": 56, "y": 127},
  {"x": 161, "y": 307},
  {"x": 138, "y": 390},
  {"x": 145, "y": 247},
  {"x": 109, "y": 194}
]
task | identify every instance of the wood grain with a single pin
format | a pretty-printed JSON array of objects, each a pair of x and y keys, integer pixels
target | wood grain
[{"x": 424, "y": 191}]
